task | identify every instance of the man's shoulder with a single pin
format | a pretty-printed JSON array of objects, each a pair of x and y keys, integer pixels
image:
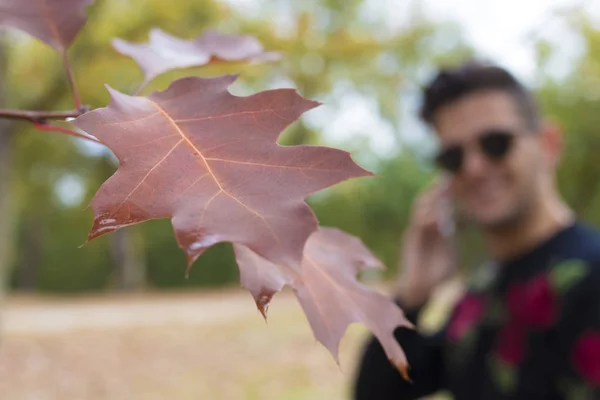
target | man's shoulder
[
  {"x": 583, "y": 244},
  {"x": 579, "y": 262}
]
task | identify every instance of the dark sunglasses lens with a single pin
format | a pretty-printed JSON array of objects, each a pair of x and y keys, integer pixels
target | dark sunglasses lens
[
  {"x": 451, "y": 158},
  {"x": 496, "y": 144}
]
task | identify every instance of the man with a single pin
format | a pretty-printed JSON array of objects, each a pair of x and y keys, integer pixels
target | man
[{"x": 528, "y": 326}]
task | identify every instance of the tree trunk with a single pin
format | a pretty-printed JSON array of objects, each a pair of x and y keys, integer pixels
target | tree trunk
[
  {"x": 6, "y": 206},
  {"x": 33, "y": 258},
  {"x": 126, "y": 247},
  {"x": 129, "y": 261},
  {"x": 7, "y": 211}
]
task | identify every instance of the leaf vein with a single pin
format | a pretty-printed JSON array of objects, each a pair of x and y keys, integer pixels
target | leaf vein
[
  {"x": 307, "y": 167},
  {"x": 148, "y": 174},
  {"x": 254, "y": 112},
  {"x": 221, "y": 188}
]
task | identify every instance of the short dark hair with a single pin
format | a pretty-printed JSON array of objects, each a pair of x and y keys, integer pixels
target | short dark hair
[{"x": 451, "y": 84}]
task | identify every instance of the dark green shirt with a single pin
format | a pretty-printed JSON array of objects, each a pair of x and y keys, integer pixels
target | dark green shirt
[{"x": 526, "y": 329}]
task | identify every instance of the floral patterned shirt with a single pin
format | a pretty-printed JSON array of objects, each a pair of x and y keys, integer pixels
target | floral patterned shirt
[{"x": 526, "y": 329}]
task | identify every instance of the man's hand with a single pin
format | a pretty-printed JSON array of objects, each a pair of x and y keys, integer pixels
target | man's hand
[{"x": 428, "y": 257}]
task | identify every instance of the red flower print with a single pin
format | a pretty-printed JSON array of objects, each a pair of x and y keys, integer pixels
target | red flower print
[
  {"x": 514, "y": 297},
  {"x": 467, "y": 314},
  {"x": 586, "y": 357},
  {"x": 511, "y": 343},
  {"x": 533, "y": 303}
]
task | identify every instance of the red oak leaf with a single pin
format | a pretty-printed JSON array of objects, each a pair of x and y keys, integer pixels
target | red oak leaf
[
  {"x": 54, "y": 22},
  {"x": 534, "y": 303},
  {"x": 586, "y": 357},
  {"x": 468, "y": 313},
  {"x": 511, "y": 342},
  {"x": 328, "y": 291},
  {"x": 164, "y": 52},
  {"x": 210, "y": 162}
]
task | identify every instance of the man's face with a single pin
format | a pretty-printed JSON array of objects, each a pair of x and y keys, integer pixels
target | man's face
[{"x": 495, "y": 192}]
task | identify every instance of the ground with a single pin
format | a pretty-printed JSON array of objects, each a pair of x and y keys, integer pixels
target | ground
[{"x": 181, "y": 346}]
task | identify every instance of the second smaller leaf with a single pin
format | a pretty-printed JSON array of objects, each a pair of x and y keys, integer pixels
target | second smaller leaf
[
  {"x": 328, "y": 291},
  {"x": 164, "y": 52},
  {"x": 55, "y": 22}
]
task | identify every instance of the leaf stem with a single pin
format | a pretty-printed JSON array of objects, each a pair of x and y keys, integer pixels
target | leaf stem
[
  {"x": 72, "y": 82},
  {"x": 36, "y": 116},
  {"x": 43, "y": 126},
  {"x": 140, "y": 87}
]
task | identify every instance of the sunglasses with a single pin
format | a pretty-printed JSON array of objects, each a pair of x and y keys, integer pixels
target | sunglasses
[{"x": 494, "y": 144}]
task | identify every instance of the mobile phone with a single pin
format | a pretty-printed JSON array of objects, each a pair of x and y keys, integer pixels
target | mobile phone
[{"x": 446, "y": 220}]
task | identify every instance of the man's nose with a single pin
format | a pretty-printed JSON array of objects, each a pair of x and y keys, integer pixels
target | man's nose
[{"x": 475, "y": 163}]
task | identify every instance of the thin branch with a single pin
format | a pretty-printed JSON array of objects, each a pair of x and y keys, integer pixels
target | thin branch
[
  {"x": 43, "y": 126},
  {"x": 140, "y": 87},
  {"x": 34, "y": 116},
  {"x": 72, "y": 82}
]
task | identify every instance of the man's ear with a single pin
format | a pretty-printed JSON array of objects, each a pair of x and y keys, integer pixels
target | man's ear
[{"x": 551, "y": 141}]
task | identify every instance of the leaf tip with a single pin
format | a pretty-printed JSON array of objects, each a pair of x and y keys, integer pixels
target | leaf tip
[
  {"x": 188, "y": 267},
  {"x": 310, "y": 104},
  {"x": 403, "y": 368},
  {"x": 93, "y": 234},
  {"x": 102, "y": 226},
  {"x": 336, "y": 358},
  {"x": 156, "y": 31},
  {"x": 263, "y": 312},
  {"x": 369, "y": 173},
  {"x": 231, "y": 78},
  {"x": 109, "y": 88},
  {"x": 116, "y": 43},
  {"x": 263, "y": 300}
]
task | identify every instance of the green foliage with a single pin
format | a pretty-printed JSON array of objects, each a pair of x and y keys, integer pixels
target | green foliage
[
  {"x": 573, "y": 102},
  {"x": 166, "y": 263}
]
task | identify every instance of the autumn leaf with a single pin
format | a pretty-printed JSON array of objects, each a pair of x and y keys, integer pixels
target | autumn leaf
[
  {"x": 164, "y": 52},
  {"x": 210, "y": 162},
  {"x": 328, "y": 291},
  {"x": 54, "y": 22}
]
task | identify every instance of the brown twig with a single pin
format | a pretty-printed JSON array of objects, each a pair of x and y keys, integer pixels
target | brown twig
[
  {"x": 72, "y": 82},
  {"x": 34, "y": 116},
  {"x": 140, "y": 87},
  {"x": 43, "y": 126},
  {"x": 39, "y": 118}
]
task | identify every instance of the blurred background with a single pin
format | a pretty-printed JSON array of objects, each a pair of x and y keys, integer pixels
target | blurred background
[{"x": 116, "y": 319}]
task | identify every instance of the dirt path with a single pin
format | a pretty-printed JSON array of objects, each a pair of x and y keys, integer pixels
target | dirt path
[
  {"x": 195, "y": 346},
  {"x": 41, "y": 316},
  {"x": 213, "y": 346}
]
